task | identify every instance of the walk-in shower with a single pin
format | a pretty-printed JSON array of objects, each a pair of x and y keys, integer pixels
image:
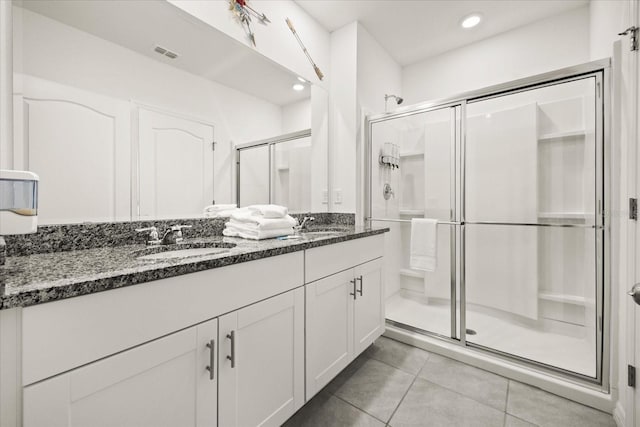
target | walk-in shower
[{"x": 516, "y": 177}]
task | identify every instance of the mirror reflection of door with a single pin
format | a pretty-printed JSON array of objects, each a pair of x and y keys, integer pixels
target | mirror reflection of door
[{"x": 175, "y": 165}]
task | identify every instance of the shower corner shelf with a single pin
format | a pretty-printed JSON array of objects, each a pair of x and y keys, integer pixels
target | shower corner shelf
[
  {"x": 559, "y": 135},
  {"x": 408, "y": 272}
]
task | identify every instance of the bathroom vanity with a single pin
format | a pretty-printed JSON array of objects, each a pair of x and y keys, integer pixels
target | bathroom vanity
[{"x": 239, "y": 338}]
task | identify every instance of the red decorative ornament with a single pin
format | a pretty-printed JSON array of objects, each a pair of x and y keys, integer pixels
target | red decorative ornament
[{"x": 244, "y": 12}]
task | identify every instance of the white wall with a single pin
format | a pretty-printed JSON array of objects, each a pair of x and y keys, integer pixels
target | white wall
[
  {"x": 296, "y": 116},
  {"x": 546, "y": 45},
  {"x": 362, "y": 73},
  {"x": 56, "y": 52},
  {"x": 274, "y": 40},
  {"x": 607, "y": 20},
  {"x": 343, "y": 119}
]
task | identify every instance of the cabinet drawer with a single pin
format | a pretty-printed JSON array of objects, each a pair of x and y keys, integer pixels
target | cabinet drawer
[
  {"x": 62, "y": 335},
  {"x": 326, "y": 260}
]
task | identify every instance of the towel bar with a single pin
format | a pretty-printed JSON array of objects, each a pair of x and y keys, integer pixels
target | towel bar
[{"x": 524, "y": 224}]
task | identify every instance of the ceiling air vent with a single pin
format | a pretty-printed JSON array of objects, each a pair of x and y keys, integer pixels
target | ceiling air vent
[{"x": 165, "y": 52}]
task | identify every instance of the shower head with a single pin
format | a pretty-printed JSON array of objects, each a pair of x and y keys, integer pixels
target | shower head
[{"x": 396, "y": 97}]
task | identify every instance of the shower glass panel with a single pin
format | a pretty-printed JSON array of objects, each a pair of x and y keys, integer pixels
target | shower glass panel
[
  {"x": 531, "y": 241},
  {"x": 291, "y": 174},
  {"x": 530, "y": 156},
  {"x": 254, "y": 175},
  {"x": 413, "y": 176}
]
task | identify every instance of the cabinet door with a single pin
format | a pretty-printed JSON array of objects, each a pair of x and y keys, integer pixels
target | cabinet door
[
  {"x": 369, "y": 304},
  {"x": 329, "y": 328},
  {"x": 262, "y": 362},
  {"x": 162, "y": 383}
]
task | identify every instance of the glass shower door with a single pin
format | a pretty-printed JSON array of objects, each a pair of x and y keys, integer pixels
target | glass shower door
[
  {"x": 532, "y": 238},
  {"x": 413, "y": 167}
]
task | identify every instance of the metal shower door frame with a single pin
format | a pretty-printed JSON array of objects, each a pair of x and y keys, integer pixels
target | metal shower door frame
[{"x": 600, "y": 70}]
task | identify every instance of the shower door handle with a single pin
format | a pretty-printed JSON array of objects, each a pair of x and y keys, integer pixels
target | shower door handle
[{"x": 635, "y": 293}]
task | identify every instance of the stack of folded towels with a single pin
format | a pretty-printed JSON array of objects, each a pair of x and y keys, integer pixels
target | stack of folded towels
[
  {"x": 219, "y": 211},
  {"x": 259, "y": 222}
]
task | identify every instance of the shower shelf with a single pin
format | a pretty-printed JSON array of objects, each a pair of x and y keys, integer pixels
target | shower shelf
[
  {"x": 407, "y": 272},
  {"x": 563, "y": 215},
  {"x": 411, "y": 212},
  {"x": 560, "y": 135},
  {"x": 566, "y": 299},
  {"x": 412, "y": 154}
]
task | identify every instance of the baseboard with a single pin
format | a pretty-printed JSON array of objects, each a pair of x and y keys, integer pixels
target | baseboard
[{"x": 619, "y": 415}]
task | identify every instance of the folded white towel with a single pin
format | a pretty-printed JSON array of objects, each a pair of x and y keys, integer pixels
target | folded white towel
[
  {"x": 424, "y": 244},
  {"x": 220, "y": 214},
  {"x": 219, "y": 207},
  {"x": 270, "y": 211},
  {"x": 247, "y": 217},
  {"x": 256, "y": 235}
]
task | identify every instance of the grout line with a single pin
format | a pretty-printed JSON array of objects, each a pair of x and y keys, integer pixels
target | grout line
[
  {"x": 463, "y": 395},
  {"x": 358, "y": 408},
  {"x": 402, "y": 399},
  {"x": 395, "y": 367}
]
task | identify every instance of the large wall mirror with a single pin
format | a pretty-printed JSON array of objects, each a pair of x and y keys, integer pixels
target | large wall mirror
[{"x": 133, "y": 109}]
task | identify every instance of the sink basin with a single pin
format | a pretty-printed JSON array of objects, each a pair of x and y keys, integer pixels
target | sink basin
[
  {"x": 182, "y": 250},
  {"x": 313, "y": 234}
]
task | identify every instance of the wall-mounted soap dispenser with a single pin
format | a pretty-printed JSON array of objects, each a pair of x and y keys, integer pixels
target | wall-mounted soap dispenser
[{"x": 18, "y": 204}]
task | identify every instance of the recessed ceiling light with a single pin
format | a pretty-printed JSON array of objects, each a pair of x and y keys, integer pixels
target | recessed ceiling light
[
  {"x": 471, "y": 20},
  {"x": 298, "y": 87},
  {"x": 301, "y": 79}
]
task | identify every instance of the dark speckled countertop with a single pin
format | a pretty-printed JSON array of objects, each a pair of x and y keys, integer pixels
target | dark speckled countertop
[{"x": 44, "y": 277}]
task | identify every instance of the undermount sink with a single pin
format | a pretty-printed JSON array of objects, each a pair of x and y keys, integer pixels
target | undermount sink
[
  {"x": 182, "y": 250},
  {"x": 325, "y": 233}
]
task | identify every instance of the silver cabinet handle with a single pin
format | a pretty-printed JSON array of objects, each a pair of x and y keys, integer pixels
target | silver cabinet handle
[
  {"x": 232, "y": 357},
  {"x": 211, "y": 345},
  {"x": 353, "y": 282},
  {"x": 360, "y": 290},
  {"x": 635, "y": 293}
]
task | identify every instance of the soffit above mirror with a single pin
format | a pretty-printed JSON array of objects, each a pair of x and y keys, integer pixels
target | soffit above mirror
[{"x": 141, "y": 25}]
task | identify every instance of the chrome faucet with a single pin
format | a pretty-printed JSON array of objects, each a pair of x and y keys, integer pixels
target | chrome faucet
[
  {"x": 174, "y": 234},
  {"x": 152, "y": 238},
  {"x": 305, "y": 221}
]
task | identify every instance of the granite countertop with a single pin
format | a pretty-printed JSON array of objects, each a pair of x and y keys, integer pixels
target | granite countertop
[{"x": 39, "y": 278}]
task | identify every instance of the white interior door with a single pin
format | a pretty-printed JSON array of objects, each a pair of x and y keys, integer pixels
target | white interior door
[
  {"x": 175, "y": 165},
  {"x": 78, "y": 142}
]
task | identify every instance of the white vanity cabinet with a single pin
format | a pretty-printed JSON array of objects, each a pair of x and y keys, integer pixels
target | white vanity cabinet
[
  {"x": 345, "y": 310},
  {"x": 262, "y": 362},
  {"x": 228, "y": 347},
  {"x": 166, "y": 382}
]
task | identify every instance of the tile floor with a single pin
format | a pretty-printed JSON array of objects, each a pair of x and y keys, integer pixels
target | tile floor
[{"x": 393, "y": 384}]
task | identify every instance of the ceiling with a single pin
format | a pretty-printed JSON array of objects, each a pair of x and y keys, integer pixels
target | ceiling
[
  {"x": 411, "y": 31},
  {"x": 140, "y": 25}
]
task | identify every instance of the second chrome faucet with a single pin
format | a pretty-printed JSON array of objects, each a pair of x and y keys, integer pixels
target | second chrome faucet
[{"x": 172, "y": 236}]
